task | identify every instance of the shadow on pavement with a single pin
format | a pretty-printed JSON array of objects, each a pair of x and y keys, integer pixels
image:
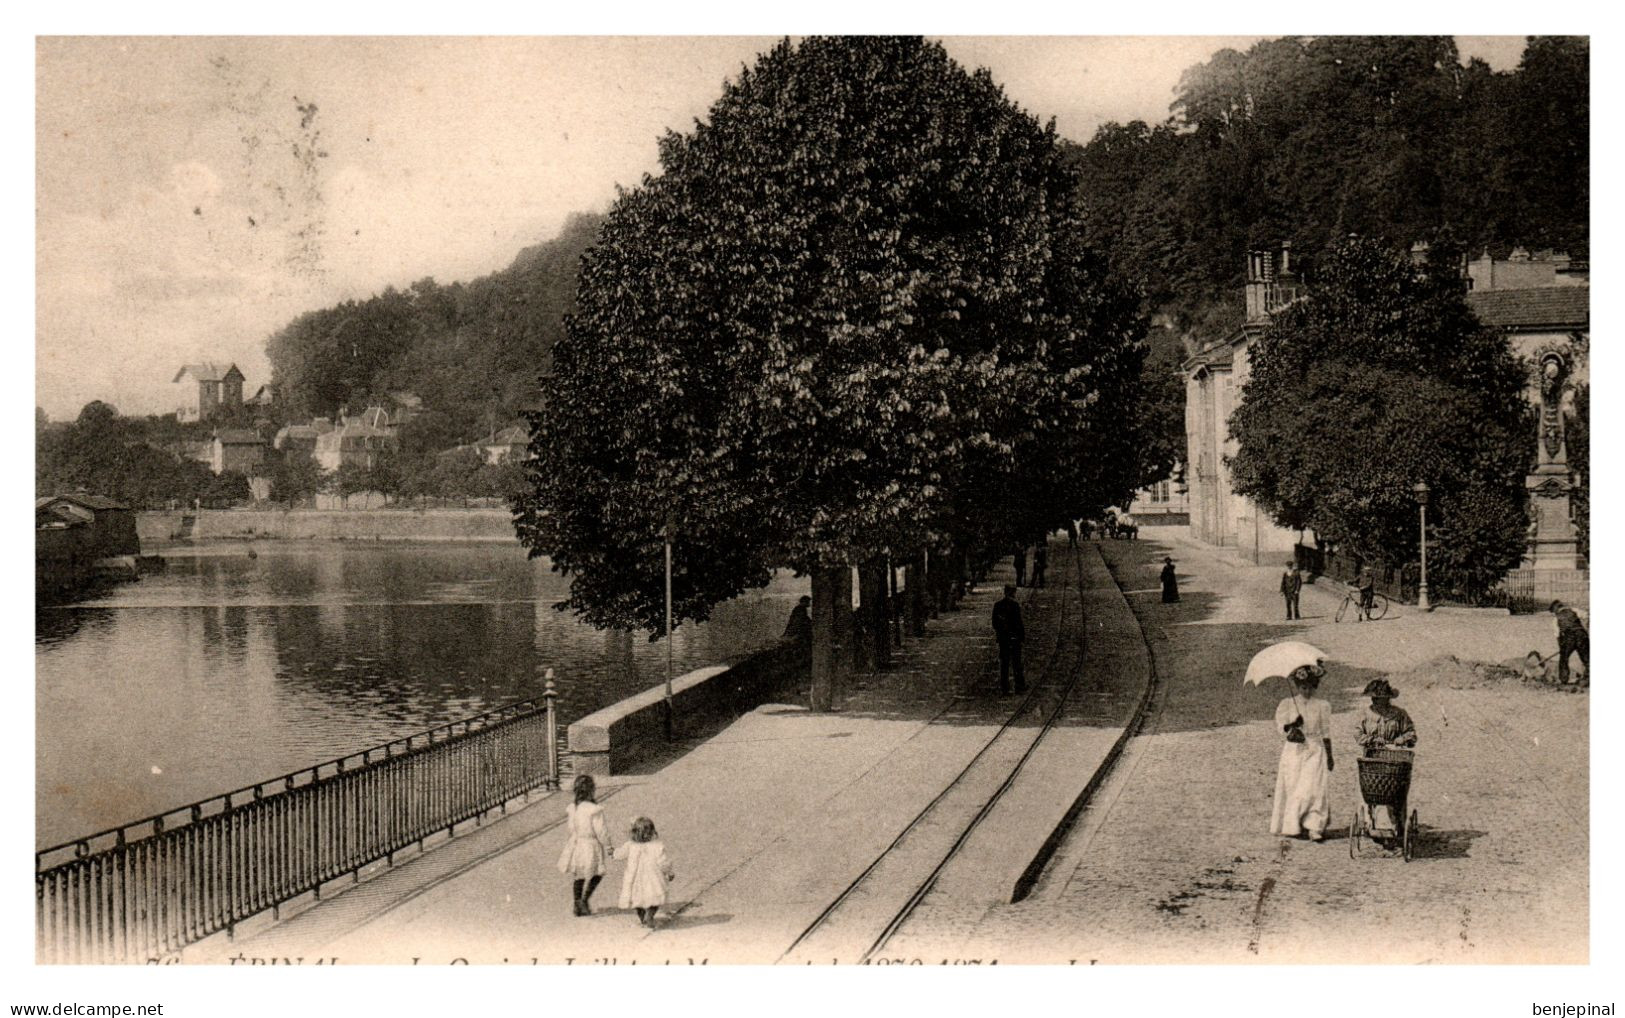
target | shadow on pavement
[
  {"x": 1213, "y": 695},
  {"x": 1434, "y": 844}
]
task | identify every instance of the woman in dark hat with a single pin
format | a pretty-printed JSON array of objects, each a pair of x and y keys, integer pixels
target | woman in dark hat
[
  {"x": 1385, "y": 725},
  {"x": 1170, "y": 585}
]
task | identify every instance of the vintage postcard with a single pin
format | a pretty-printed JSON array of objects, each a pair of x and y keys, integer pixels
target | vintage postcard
[{"x": 844, "y": 500}]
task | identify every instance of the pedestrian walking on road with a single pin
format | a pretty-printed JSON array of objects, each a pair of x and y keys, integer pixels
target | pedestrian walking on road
[
  {"x": 1040, "y": 561},
  {"x": 648, "y": 871},
  {"x": 1303, "y": 779},
  {"x": 1384, "y": 726},
  {"x": 1010, "y": 633},
  {"x": 1291, "y": 587},
  {"x": 1571, "y": 637},
  {"x": 1020, "y": 558},
  {"x": 1170, "y": 583},
  {"x": 587, "y": 847}
]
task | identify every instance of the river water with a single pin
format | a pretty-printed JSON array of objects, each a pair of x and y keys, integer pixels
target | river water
[{"x": 227, "y": 669}]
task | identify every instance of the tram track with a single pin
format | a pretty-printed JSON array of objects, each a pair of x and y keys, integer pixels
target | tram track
[{"x": 880, "y": 900}]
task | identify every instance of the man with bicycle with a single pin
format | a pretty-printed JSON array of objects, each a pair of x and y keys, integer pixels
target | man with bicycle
[{"x": 1367, "y": 586}]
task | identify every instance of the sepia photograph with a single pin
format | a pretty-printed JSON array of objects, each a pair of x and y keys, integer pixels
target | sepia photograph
[{"x": 831, "y": 500}]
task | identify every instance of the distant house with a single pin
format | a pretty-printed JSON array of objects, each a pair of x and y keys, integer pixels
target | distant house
[
  {"x": 237, "y": 451},
  {"x": 263, "y": 396},
  {"x": 507, "y": 444},
  {"x": 206, "y": 389},
  {"x": 298, "y": 438},
  {"x": 201, "y": 451},
  {"x": 356, "y": 441}
]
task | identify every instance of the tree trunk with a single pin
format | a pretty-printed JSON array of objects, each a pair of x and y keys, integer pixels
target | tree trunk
[
  {"x": 894, "y": 613},
  {"x": 876, "y": 641},
  {"x": 914, "y": 587},
  {"x": 831, "y": 641}
]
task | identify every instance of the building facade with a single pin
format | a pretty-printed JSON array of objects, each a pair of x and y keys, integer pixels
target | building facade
[
  {"x": 206, "y": 390},
  {"x": 1214, "y": 377}
]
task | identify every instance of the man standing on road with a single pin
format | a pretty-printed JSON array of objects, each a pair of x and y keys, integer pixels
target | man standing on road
[
  {"x": 1010, "y": 633},
  {"x": 1571, "y": 637},
  {"x": 1291, "y": 586},
  {"x": 1019, "y": 557},
  {"x": 1040, "y": 560}
]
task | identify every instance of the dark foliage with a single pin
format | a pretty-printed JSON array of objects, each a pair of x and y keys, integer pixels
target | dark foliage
[
  {"x": 855, "y": 313},
  {"x": 1381, "y": 378}
]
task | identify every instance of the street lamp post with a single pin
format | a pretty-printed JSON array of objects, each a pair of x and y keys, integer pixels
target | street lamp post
[
  {"x": 671, "y": 527},
  {"x": 1421, "y": 492}
]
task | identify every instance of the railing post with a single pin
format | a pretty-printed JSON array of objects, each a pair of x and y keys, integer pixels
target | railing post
[{"x": 550, "y": 697}]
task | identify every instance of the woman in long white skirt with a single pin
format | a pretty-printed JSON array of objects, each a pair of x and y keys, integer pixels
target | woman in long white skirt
[{"x": 1302, "y": 782}]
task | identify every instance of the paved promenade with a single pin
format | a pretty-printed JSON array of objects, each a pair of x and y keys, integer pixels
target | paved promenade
[
  {"x": 772, "y": 819},
  {"x": 1173, "y": 862},
  {"x": 767, "y": 822}
]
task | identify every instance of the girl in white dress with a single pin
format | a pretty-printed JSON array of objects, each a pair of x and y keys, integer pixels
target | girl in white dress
[
  {"x": 1302, "y": 782},
  {"x": 647, "y": 871},
  {"x": 587, "y": 847}
]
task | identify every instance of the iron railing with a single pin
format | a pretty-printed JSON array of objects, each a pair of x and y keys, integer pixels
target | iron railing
[{"x": 146, "y": 889}]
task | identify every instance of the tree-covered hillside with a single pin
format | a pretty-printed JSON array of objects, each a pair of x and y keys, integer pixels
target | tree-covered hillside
[
  {"x": 1309, "y": 140},
  {"x": 473, "y": 352}
]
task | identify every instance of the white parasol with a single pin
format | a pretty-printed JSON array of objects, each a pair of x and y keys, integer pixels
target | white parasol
[{"x": 1282, "y": 659}]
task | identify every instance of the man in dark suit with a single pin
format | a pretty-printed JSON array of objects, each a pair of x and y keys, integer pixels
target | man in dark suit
[
  {"x": 1571, "y": 637},
  {"x": 1291, "y": 587},
  {"x": 1010, "y": 633}
]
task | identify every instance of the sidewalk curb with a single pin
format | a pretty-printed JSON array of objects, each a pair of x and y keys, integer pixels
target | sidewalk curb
[{"x": 1035, "y": 868}]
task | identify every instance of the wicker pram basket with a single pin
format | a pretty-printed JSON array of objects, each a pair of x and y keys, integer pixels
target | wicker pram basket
[{"x": 1385, "y": 776}]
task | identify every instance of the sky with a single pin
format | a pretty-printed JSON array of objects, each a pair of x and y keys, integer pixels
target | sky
[{"x": 195, "y": 194}]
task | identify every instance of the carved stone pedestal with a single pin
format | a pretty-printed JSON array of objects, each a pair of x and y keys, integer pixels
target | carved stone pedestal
[{"x": 1553, "y": 543}]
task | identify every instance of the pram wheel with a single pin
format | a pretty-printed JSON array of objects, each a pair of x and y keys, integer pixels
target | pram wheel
[{"x": 1410, "y": 836}]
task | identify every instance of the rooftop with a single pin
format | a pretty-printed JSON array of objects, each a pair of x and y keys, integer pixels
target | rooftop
[
  {"x": 1556, "y": 306},
  {"x": 207, "y": 371}
]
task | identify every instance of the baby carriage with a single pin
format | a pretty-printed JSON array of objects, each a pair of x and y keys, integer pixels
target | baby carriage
[{"x": 1385, "y": 817}]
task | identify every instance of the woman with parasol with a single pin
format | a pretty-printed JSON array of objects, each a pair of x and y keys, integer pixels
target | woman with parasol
[{"x": 1302, "y": 781}]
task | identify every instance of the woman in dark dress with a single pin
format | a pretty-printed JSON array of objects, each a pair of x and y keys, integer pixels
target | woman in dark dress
[{"x": 1170, "y": 585}]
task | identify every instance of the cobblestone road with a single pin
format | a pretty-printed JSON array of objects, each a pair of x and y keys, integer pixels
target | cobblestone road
[{"x": 1174, "y": 863}]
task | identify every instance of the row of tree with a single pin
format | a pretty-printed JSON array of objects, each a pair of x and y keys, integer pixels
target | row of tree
[{"x": 853, "y": 318}]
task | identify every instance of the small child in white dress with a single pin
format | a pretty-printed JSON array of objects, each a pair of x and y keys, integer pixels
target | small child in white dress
[{"x": 647, "y": 871}]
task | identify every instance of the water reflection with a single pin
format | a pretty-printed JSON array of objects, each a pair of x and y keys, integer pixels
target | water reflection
[{"x": 225, "y": 669}]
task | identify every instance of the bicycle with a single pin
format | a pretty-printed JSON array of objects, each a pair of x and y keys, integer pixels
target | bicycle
[{"x": 1379, "y": 605}]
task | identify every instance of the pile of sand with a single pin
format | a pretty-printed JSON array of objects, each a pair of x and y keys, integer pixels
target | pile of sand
[{"x": 1452, "y": 672}]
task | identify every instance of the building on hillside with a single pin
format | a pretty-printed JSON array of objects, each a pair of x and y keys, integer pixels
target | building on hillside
[
  {"x": 1214, "y": 376},
  {"x": 356, "y": 441},
  {"x": 510, "y": 443},
  {"x": 207, "y": 389},
  {"x": 1521, "y": 270},
  {"x": 265, "y": 395},
  {"x": 196, "y": 451},
  {"x": 299, "y": 438},
  {"x": 237, "y": 451}
]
